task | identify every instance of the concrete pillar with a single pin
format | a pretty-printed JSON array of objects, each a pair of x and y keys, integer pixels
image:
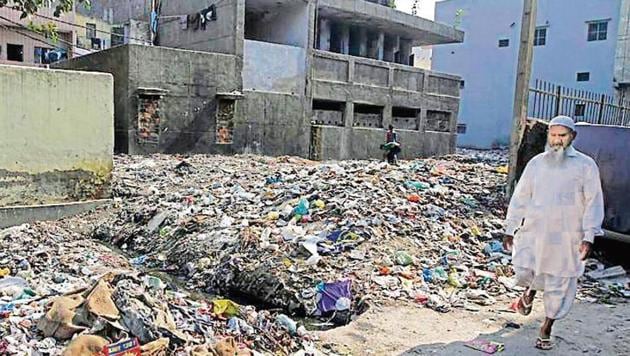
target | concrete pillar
[
  {"x": 345, "y": 39},
  {"x": 363, "y": 38},
  {"x": 387, "y": 115},
  {"x": 396, "y": 50},
  {"x": 351, "y": 70},
  {"x": 405, "y": 51},
  {"x": 380, "y": 46},
  {"x": 348, "y": 115},
  {"x": 324, "y": 34}
]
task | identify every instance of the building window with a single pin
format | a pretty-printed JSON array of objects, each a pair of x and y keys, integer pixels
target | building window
[
  {"x": 462, "y": 84},
  {"x": 504, "y": 43},
  {"x": 40, "y": 55},
  {"x": 90, "y": 30},
  {"x": 405, "y": 118},
  {"x": 540, "y": 37},
  {"x": 15, "y": 52},
  {"x": 117, "y": 36},
  {"x": 366, "y": 115},
  {"x": 598, "y": 31},
  {"x": 327, "y": 112},
  {"x": 583, "y": 77},
  {"x": 439, "y": 121},
  {"x": 461, "y": 129}
]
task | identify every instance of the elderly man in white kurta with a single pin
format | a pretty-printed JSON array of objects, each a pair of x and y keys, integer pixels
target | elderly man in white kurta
[{"x": 555, "y": 213}]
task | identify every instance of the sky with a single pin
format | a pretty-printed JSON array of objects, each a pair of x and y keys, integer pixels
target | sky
[{"x": 427, "y": 7}]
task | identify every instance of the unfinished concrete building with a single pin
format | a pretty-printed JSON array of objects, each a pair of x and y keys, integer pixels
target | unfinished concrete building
[{"x": 320, "y": 79}]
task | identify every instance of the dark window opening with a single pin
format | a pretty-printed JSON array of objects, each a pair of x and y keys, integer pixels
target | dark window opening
[
  {"x": 598, "y": 31},
  {"x": 327, "y": 112},
  {"x": 355, "y": 42},
  {"x": 15, "y": 52},
  {"x": 328, "y": 105},
  {"x": 41, "y": 55},
  {"x": 335, "y": 38},
  {"x": 405, "y": 118},
  {"x": 461, "y": 128},
  {"x": 540, "y": 37},
  {"x": 118, "y": 36},
  {"x": 398, "y": 111},
  {"x": 372, "y": 45},
  {"x": 225, "y": 121},
  {"x": 438, "y": 121},
  {"x": 580, "y": 109},
  {"x": 388, "y": 50},
  {"x": 504, "y": 43},
  {"x": 90, "y": 30},
  {"x": 462, "y": 84},
  {"x": 583, "y": 77},
  {"x": 368, "y": 115}
]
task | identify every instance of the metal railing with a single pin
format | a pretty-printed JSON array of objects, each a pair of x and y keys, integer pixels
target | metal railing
[{"x": 547, "y": 100}]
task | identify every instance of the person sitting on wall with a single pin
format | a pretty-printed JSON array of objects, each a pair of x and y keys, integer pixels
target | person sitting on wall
[{"x": 392, "y": 145}]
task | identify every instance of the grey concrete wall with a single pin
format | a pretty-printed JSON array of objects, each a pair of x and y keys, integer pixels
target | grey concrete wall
[
  {"x": 272, "y": 124},
  {"x": 422, "y": 31},
  {"x": 287, "y": 24},
  {"x": 273, "y": 67},
  {"x": 192, "y": 81},
  {"x": 333, "y": 143},
  {"x": 359, "y": 81},
  {"x": 224, "y": 35},
  {"x": 18, "y": 215}
]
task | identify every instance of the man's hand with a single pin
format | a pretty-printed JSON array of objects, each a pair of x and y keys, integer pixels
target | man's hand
[
  {"x": 585, "y": 249},
  {"x": 508, "y": 242}
]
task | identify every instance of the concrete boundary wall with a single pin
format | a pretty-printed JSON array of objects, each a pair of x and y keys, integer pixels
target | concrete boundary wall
[{"x": 56, "y": 135}]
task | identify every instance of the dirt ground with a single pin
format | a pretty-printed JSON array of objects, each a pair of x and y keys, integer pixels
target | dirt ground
[{"x": 590, "y": 329}]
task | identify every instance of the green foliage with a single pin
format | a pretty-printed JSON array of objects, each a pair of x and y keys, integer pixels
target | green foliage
[
  {"x": 48, "y": 30},
  {"x": 28, "y": 7},
  {"x": 391, "y": 3}
]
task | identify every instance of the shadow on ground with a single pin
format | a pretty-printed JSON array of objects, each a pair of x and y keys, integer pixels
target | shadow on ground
[{"x": 590, "y": 329}]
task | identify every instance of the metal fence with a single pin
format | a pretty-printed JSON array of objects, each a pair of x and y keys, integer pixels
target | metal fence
[{"x": 547, "y": 100}]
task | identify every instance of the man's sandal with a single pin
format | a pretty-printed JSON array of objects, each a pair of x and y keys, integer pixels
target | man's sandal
[
  {"x": 522, "y": 307},
  {"x": 544, "y": 344}
]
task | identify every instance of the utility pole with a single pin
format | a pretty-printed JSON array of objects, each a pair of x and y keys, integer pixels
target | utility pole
[{"x": 521, "y": 94}]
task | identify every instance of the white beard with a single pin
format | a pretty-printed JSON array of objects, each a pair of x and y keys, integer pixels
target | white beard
[{"x": 557, "y": 154}]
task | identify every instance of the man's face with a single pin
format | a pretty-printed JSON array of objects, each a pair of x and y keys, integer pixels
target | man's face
[{"x": 559, "y": 137}]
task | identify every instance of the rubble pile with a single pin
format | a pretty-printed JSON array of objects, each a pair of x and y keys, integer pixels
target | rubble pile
[
  {"x": 62, "y": 294},
  {"x": 278, "y": 231},
  {"x": 268, "y": 240}
]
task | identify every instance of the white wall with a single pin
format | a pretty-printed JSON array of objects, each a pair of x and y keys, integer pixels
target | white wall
[
  {"x": 274, "y": 68},
  {"x": 489, "y": 72}
]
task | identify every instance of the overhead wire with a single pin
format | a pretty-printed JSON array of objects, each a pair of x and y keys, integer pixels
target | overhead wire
[
  {"x": 40, "y": 40},
  {"x": 85, "y": 27},
  {"x": 31, "y": 37}
]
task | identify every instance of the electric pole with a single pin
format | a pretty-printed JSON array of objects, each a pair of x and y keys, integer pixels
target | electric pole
[{"x": 521, "y": 94}]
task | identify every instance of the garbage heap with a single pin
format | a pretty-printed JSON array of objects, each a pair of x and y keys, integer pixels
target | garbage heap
[
  {"x": 62, "y": 294},
  {"x": 323, "y": 239}
]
